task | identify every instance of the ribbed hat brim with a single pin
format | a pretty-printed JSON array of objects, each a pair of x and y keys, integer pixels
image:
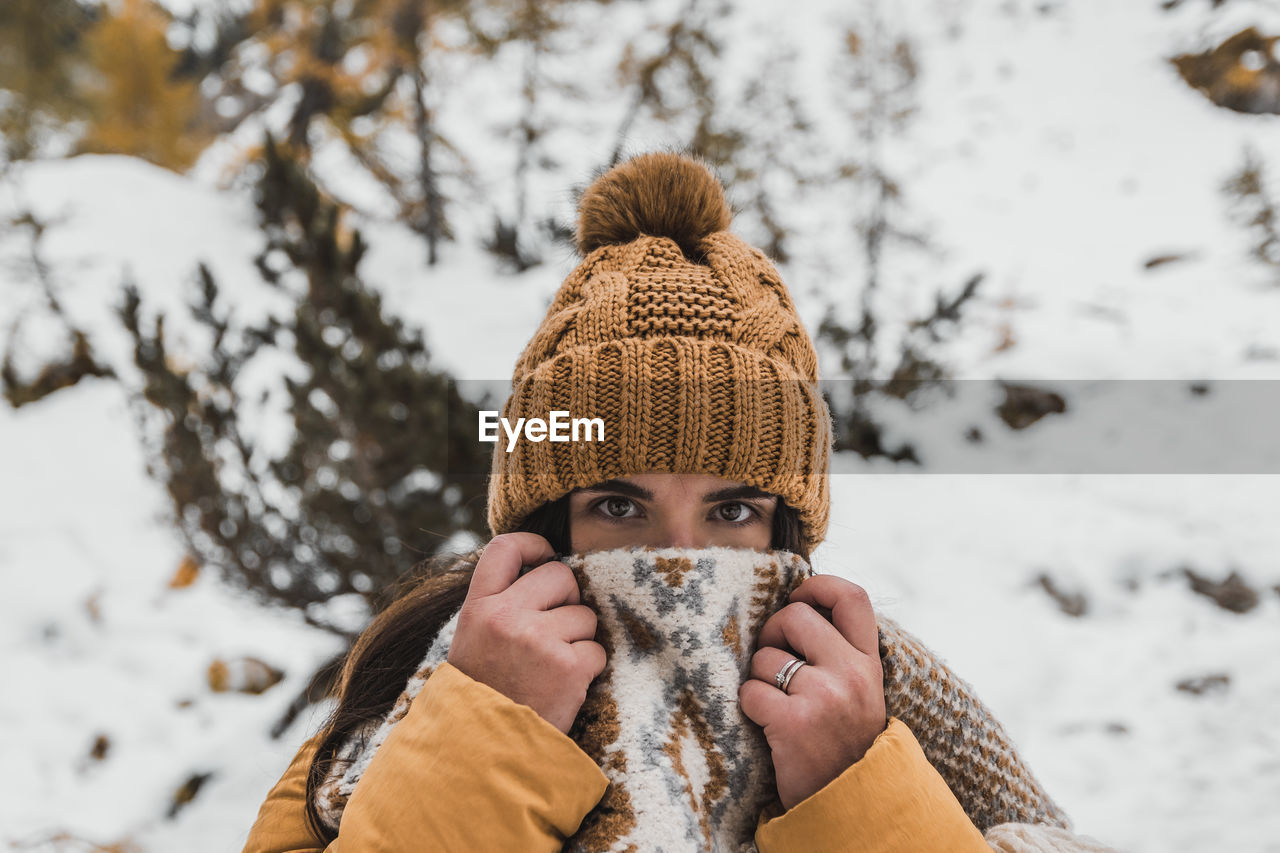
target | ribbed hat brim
[{"x": 677, "y": 404}]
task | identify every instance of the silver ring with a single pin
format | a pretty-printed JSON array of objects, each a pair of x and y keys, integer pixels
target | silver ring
[{"x": 783, "y": 678}]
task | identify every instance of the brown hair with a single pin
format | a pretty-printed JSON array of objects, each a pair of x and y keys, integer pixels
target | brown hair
[{"x": 391, "y": 647}]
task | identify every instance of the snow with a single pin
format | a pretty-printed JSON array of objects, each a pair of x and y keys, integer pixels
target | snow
[
  {"x": 954, "y": 557},
  {"x": 1053, "y": 151}
]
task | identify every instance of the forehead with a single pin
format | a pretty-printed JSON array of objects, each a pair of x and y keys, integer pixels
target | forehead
[
  {"x": 667, "y": 486},
  {"x": 662, "y": 481}
]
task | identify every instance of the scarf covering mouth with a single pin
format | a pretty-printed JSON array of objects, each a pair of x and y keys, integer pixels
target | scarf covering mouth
[{"x": 687, "y": 769}]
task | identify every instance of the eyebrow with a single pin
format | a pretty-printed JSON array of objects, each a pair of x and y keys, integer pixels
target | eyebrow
[
  {"x": 622, "y": 487},
  {"x": 631, "y": 490},
  {"x": 734, "y": 493}
]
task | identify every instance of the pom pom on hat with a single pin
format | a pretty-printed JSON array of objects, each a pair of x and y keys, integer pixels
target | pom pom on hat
[{"x": 659, "y": 194}]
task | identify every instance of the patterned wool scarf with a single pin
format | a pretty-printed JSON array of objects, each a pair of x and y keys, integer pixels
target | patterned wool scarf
[{"x": 687, "y": 770}]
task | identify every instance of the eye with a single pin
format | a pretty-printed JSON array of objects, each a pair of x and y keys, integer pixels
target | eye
[
  {"x": 735, "y": 512},
  {"x": 617, "y": 507}
]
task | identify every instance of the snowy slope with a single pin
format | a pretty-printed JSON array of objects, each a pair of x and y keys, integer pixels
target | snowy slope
[{"x": 1056, "y": 152}]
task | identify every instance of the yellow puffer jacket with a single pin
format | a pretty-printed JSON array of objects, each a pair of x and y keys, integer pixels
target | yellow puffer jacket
[{"x": 469, "y": 769}]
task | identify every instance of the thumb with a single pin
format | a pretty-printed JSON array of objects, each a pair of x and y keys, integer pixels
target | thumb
[{"x": 503, "y": 558}]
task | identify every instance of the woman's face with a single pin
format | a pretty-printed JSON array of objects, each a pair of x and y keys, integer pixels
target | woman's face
[{"x": 670, "y": 511}]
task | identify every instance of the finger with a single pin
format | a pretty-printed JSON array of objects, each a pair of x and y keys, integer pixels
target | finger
[
  {"x": 851, "y": 610},
  {"x": 572, "y": 622},
  {"x": 549, "y": 585},
  {"x": 761, "y": 703},
  {"x": 767, "y": 662},
  {"x": 592, "y": 655},
  {"x": 799, "y": 627},
  {"x": 502, "y": 559}
]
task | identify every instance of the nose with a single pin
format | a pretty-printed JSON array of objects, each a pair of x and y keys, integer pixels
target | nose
[{"x": 681, "y": 533}]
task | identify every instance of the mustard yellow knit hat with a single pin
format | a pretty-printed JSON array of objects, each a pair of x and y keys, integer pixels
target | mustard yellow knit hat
[{"x": 683, "y": 339}]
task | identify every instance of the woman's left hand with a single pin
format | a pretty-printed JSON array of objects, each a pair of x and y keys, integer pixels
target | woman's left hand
[{"x": 834, "y": 706}]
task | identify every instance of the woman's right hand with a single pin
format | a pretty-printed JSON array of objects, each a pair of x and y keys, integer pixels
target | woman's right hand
[{"x": 528, "y": 637}]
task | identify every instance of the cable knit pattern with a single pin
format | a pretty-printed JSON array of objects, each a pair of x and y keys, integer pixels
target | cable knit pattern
[
  {"x": 687, "y": 770},
  {"x": 695, "y": 364}
]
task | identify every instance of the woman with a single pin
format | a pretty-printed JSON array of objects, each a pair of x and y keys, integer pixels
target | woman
[{"x": 685, "y": 342}]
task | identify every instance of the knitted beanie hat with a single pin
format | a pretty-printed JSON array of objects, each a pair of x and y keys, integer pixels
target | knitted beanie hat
[{"x": 683, "y": 340}]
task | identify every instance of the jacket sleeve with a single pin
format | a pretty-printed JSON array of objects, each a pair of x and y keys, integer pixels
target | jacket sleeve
[
  {"x": 466, "y": 769},
  {"x": 281, "y": 826},
  {"x": 892, "y": 800}
]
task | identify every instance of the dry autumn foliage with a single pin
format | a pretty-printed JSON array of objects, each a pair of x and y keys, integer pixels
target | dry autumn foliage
[
  {"x": 136, "y": 105},
  {"x": 243, "y": 675},
  {"x": 188, "y": 571}
]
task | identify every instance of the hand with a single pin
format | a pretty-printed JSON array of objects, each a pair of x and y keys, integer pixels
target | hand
[
  {"x": 528, "y": 637},
  {"x": 834, "y": 707}
]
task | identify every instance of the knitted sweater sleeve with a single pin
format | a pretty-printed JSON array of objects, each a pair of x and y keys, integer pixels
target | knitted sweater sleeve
[
  {"x": 466, "y": 769},
  {"x": 892, "y": 800},
  {"x": 1041, "y": 838}
]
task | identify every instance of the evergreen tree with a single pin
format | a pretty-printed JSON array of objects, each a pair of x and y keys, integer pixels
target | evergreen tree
[
  {"x": 534, "y": 28},
  {"x": 384, "y": 460},
  {"x": 756, "y": 157},
  {"x": 881, "y": 74},
  {"x": 361, "y": 70},
  {"x": 59, "y": 372},
  {"x": 676, "y": 81}
]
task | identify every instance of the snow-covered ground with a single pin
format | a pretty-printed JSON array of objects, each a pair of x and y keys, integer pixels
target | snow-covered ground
[{"x": 1056, "y": 152}]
